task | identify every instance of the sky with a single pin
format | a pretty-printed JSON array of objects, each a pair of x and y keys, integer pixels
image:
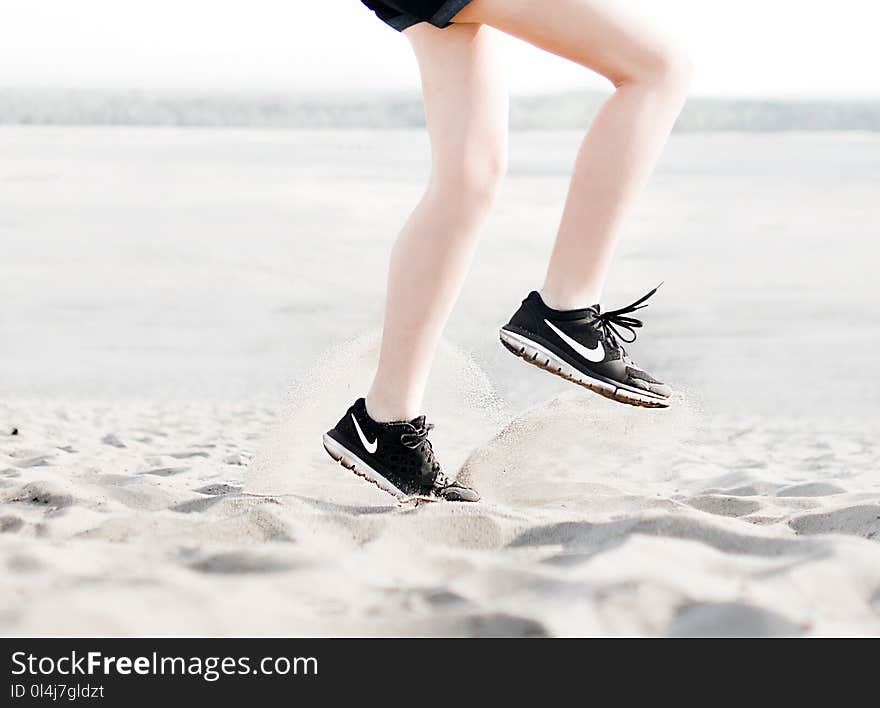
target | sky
[{"x": 750, "y": 48}]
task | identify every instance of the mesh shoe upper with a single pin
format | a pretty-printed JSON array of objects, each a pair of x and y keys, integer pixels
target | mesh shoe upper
[
  {"x": 587, "y": 339},
  {"x": 399, "y": 451}
]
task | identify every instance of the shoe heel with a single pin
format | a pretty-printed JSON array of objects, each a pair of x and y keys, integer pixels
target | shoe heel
[{"x": 352, "y": 462}]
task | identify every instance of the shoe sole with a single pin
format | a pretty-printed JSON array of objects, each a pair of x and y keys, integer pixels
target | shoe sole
[
  {"x": 537, "y": 355},
  {"x": 352, "y": 462}
]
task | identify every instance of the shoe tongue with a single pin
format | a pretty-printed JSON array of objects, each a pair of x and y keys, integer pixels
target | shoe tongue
[{"x": 418, "y": 423}]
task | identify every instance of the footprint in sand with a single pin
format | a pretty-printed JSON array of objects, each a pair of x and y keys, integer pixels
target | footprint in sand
[
  {"x": 723, "y": 505},
  {"x": 444, "y": 599},
  {"x": 112, "y": 440},
  {"x": 586, "y": 537},
  {"x": 493, "y": 625},
  {"x": 196, "y": 506},
  {"x": 861, "y": 521},
  {"x": 747, "y": 490},
  {"x": 238, "y": 563},
  {"x": 23, "y": 564},
  {"x": 810, "y": 489},
  {"x": 38, "y": 461},
  {"x": 218, "y": 489},
  {"x": 730, "y": 619},
  {"x": 166, "y": 471},
  {"x": 10, "y": 524},
  {"x": 43, "y": 495}
]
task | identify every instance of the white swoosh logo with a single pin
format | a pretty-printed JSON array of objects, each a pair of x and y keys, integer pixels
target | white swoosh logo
[
  {"x": 370, "y": 447},
  {"x": 596, "y": 355}
]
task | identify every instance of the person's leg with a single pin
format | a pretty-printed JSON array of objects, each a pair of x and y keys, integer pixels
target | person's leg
[
  {"x": 626, "y": 138},
  {"x": 467, "y": 111}
]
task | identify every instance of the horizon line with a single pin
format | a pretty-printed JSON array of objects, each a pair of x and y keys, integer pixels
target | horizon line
[{"x": 246, "y": 92}]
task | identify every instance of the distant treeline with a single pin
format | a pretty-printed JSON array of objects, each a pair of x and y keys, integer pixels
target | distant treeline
[{"x": 551, "y": 112}]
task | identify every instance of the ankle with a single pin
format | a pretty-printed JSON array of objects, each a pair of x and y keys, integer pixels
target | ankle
[
  {"x": 385, "y": 411},
  {"x": 572, "y": 300}
]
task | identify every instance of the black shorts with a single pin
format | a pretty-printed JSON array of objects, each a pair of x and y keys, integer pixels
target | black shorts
[{"x": 401, "y": 14}]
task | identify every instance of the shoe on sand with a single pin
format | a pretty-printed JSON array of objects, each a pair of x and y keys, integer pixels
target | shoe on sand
[
  {"x": 396, "y": 457},
  {"x": 584, "y": 346}
]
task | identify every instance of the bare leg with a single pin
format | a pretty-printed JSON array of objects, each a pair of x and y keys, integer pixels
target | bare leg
[
  {"x": 466, "y": 106},
  {"x": 626, "y": 138}
]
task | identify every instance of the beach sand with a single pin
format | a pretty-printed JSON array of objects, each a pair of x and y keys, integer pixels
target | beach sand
[{"x": 186, "y": 311}]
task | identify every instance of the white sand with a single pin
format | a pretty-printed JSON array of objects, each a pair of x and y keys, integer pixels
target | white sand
[
  {"x": 161, "y": 287},
  {"x": 139, "y": 519}
]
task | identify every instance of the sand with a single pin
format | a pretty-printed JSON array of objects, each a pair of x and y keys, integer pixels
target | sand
[
  {"x": 169, "y": 358},
  {"x": 141, "y": 520}
]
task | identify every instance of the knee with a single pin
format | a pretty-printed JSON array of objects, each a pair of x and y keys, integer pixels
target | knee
[
  {"x": 663, "y": 65},
  {"x": 481, "y": 174},
  {"x": 473, "y": 177}
]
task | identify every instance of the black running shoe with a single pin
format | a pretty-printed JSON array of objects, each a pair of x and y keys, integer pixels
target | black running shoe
[
  {"x": 396, "y": 457},
  {"x": 584, "y": 346}
]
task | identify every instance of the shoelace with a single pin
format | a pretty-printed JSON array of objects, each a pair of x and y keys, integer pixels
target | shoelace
[
  {"x": 419, "y": 438},
  {"x": 611, "y": 320}
]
